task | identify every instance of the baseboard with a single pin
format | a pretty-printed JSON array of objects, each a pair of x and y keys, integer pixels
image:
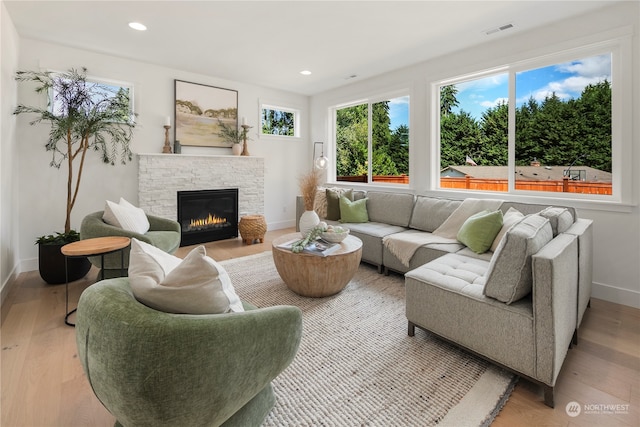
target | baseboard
[
  {"x": 281, "y": 224},
  {"x": 617, "y": 295},
  {"x": 30, "y": 264},
  {"x": 8, "y": 284}
]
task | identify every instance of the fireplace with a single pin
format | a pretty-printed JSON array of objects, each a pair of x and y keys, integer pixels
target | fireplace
[{"x": 207, "y": 215}]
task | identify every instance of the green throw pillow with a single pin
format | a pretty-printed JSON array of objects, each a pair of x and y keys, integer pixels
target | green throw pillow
[
  {"x": 333, "y": 201},
  {"x": 479, "y": 230},
  {"x": 353, "y": 211}
]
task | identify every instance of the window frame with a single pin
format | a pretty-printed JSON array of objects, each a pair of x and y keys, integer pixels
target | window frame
[
  {"x": 620, "y": 49},
  {"x": 331, "y": 151},
  {"x": 297, "y": 114}
]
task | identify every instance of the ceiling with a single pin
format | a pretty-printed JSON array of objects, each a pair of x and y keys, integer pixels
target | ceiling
[{"x": 268, "y": 43}]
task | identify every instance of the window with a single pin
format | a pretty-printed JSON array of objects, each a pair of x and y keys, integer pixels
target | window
[
  {"x": 372, "y": 140},
  {"x": 545, "y": 127},
  {"x": 111, "y": 94},
  {"x": 279, "y": 121}
]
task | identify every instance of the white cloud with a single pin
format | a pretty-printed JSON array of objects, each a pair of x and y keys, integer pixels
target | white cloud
[
  {"x": 494, "y": 103},
  {"x": 587, "y": 71},
  {"x": 565, "y": 89},
  {"x": 484, "y": 84},
  {"x": 594, "y": 66},
  {"x": 404, "y": 100}
]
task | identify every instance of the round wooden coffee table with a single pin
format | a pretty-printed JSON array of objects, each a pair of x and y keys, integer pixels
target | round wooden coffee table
[{"x": 316, "y": 276}]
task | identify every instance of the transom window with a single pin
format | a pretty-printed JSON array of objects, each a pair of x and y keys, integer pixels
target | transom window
[
  {"x": 279, "y": 121},
  {"x": 372, "y": 141},
  {"x": 102, "y": 89}
]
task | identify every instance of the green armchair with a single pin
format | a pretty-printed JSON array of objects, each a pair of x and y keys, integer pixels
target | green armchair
[
  {"x": 150, "y": 368},
  {"x": 163, "y": 233}
]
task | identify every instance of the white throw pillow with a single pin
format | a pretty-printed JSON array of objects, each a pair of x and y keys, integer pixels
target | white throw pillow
[
  {"x": 195, "y": 285},
  {"x": 126, "y": 216},
  {"x": 512, "y": 217}
]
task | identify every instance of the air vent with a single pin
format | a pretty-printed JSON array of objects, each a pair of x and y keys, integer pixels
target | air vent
[{"x": 498, "y": 29}]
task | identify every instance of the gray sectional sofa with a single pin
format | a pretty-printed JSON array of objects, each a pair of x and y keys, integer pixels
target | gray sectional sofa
[{"x": 519, "y": 305}]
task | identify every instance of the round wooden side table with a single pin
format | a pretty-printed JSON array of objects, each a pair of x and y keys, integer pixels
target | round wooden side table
[
  {"x": 313, "y": 275},
  {"x": 91, "y": 247}
]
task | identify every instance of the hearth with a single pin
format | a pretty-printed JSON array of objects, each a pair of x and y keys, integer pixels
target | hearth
[{"x": 208, "y": 215}]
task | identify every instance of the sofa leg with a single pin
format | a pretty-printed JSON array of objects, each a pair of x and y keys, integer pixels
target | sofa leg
[
  {"x": 574, "y": 340},
  {"x": 386, "y": 271},
  {"x": 548, "y": 396},
  {"x": 379, "y": 269},
  {"x": 411, "y": 329},
  {"x": 589, "y": 303}
]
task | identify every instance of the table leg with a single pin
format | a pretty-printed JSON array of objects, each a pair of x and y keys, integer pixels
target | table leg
[{"x": 66, "y": 293}]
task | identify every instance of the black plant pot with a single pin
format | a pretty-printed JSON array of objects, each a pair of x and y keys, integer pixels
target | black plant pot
[{"x": 51, "y": 265}]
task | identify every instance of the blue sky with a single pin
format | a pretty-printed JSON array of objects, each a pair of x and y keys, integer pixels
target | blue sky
[
  {"x": 399, "y": 112},
  {"x": 567, "y": 80}
]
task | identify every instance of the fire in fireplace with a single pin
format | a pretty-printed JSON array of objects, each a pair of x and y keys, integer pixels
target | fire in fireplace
[{"x": 208, "y": 215}]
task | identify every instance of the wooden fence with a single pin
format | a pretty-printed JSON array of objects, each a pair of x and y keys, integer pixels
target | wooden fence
[
  {"x": 564, "y": 186},
  {"x": 469, "y": 183}
]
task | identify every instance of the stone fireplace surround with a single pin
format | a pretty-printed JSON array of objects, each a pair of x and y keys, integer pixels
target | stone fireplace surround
[{"x": 161, "y": 176}]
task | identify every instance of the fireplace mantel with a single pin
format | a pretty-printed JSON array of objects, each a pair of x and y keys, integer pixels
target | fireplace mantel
[{"x": 161, "y": 176}]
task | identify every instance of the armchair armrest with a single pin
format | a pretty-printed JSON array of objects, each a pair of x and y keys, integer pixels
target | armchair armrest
[{"x": 157, "y": 223}]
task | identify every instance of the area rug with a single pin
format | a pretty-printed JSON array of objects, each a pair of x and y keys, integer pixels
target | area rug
[{"x": 357, "y": 366}]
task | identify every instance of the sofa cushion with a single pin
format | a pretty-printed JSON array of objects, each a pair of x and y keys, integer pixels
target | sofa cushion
[
  {"x": 195, "y": 285},
  {"x": 333, "y": 201},
  {"x": 126, "y": 216},
  {"x": 479, "y": 230},
  {"x": 454, "y": 272},
  {"x": 559, "y": 218},
  {"x": 509, "y": 219},
  {"x": 430, "y": 212},
  {"x": 509, "y": 277},
  {"x": 390, "y": 208},
  {"x": 353, "y": 211}
]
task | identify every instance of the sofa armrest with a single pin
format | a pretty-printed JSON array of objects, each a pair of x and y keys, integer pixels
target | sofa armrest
[
  {"x": 555, "y": 290},
  {"x": 583, "y": 229}
]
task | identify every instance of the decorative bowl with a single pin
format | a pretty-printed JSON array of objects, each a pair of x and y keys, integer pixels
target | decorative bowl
[{"x": 334, "y": 237}]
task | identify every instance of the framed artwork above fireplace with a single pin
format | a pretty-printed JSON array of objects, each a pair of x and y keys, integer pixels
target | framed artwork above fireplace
[{"x": 199, "y": 111}]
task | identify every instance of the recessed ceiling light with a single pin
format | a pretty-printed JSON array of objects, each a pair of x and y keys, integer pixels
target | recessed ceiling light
[
  {"x": 305, "y": 72},
  {"x": 137, "y": 26}
]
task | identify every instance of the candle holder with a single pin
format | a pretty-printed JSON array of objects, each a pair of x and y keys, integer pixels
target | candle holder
[
  {"x": 167, "y": 147},
  {"x": 245, "y": 130}
]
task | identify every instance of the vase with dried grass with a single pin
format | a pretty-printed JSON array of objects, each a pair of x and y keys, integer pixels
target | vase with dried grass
[{"x": 308, "y": 187}]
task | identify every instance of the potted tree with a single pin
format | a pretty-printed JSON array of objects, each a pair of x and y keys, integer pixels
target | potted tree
[{"x": 83, "y": 116}]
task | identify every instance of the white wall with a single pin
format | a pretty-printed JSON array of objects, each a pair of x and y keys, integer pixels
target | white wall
[
  {"x": 9, "y": 243},
  {"x": 42, "y": 190},
  {"x": 616, "y": 228}
]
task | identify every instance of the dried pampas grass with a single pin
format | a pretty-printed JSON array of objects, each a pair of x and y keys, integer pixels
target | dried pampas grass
[{"x": 308, "y": 186}]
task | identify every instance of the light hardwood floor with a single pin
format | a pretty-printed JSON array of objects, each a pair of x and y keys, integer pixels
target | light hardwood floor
[{"x": 42, "y": 382}]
